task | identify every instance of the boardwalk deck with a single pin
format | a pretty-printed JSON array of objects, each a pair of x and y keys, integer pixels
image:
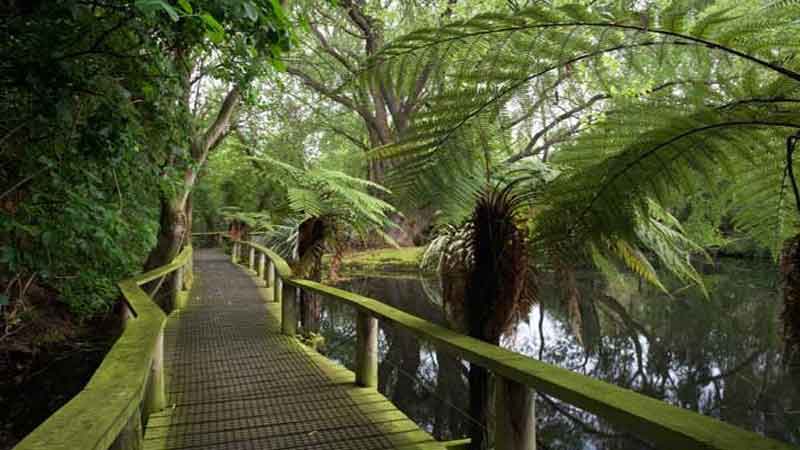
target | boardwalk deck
[{"x": 234, "y": 382}]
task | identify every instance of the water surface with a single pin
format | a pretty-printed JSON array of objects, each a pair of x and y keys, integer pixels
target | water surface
[{"x": 719, "y": 356}]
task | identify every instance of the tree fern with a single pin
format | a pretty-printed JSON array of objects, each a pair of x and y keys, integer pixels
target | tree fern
[
  {"x": 332, "y": 195},
  {"x": 692, "y": 95}
]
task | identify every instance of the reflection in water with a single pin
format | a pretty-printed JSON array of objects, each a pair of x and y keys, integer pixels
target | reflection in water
[{"x": 719, "y": 356}]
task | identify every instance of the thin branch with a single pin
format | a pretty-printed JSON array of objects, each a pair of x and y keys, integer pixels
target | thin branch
[
  {"x": 322, "y": 89},
  {"x": 332, "y": 51},
  {"x": 546, "y": 145},
  {"x": 23, "y": 181},
  {"x": 566, "y": 116}
]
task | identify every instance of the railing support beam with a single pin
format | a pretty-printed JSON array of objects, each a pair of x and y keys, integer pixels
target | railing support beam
[
  {"x": 130, "y": 438},
  {"x": 262, "y": 261},
  {"x": 288, "y": 308},
  {"x": 271, "y": 277},
  {"x": 366, "y": 350},
  {"x": 251, "y": 264},
  {"x": 156, "y": 399},
  {"x": 515, "y": 424},
  {"x": 177, "y": 288}
]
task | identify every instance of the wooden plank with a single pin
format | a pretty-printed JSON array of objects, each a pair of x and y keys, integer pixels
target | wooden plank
[{"x": 279, "y": 394}]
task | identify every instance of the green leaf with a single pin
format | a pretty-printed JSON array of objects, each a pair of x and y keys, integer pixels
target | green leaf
[
  {"x": 276, "y": 60},
  {"x": 305, "y": 25},
  {"x": 186, "y": 6},
  {"x": 278, "y": 64},
  {"x": 152, "y": 5},
  {"x": 279, "y": 13},
  {"x": 214, "y": 30}
]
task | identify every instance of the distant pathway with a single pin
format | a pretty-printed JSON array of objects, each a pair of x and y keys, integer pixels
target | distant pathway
[{"x": 234, "y": 382}]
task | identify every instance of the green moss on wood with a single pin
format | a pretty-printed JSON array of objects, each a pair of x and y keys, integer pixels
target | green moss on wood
[
  {"x": 667, "y": 426},
  {"x": 95, "y": 417}
]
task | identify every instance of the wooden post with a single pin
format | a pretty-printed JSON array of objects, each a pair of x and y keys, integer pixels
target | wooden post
[
  {"x": 131, "y": 437},
  {"x": 515, "y": 418},
  {"x": 177, "y": 288},
  {"x": 277, "y": 287},
  {"x": 366, "y": 350},
  {"x": 262, "y": 261},
  {"x": 156, "y": 393},
  {"x": 251, "y": 264},
  {"x": 288, "y": 308},
  {"x": 271, "y": 276},
  {"x": 188, "y": 274},
  {"x": 234, "y": 248}
]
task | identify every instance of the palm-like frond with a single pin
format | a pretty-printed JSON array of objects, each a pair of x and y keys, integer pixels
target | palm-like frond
[
  {"x": 693, "y": 94},
  {"x": 320, "y": 193}
]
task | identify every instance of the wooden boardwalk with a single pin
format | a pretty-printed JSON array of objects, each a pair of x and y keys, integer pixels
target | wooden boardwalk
[{"x": 234, "y": 382}]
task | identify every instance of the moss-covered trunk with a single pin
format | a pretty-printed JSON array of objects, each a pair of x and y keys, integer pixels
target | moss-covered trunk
[{"x": 171, "y": 232}]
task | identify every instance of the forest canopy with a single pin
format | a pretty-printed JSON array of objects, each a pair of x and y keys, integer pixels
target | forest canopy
[{"x": 513, "y": 140}]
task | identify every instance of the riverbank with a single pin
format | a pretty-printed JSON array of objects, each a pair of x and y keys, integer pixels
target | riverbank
[
  {"x": 49, "y": 359},
  {"x": 393, "y": 261}
]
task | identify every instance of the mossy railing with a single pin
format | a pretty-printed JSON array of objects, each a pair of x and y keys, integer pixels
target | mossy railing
[
  {"x": 129, "y": 384},
  {"x": 665, "y": 426}
]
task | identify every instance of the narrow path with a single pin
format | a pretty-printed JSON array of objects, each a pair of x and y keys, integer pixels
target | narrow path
[{"x": 234, "y": 382}]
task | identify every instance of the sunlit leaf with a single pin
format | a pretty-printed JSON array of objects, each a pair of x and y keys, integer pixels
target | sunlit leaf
[{"x": 186, "y": 6}]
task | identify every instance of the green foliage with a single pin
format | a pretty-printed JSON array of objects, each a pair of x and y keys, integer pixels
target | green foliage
[
  {"x": 690, "y": 94},
  {"x": 322, "y": 193},
  {"x": 78, "y": 210}
]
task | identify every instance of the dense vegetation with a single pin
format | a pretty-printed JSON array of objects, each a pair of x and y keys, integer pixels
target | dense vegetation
[{"x": 515, "y": 137}]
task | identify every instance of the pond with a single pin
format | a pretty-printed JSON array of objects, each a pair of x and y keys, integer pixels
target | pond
[{"x": 718, "y": 355}]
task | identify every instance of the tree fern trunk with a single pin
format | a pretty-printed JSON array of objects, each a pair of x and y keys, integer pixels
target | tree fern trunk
[
  {"x": 496, "y": 287},
  {"x": 479, "y": 403},
  {"x": 310, "y": 242},
  {"x": 790, "y": 269}
]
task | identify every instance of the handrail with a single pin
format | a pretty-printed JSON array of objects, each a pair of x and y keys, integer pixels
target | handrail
[
  {"x": 128, "y": 382},
  {"x": 653, "y": 420}
]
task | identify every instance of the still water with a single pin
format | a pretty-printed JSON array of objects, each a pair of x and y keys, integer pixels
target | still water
[{"x": 720, "y": 356}]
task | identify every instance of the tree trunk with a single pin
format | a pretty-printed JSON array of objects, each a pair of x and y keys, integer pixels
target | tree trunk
[
  {"x": 790, "y": 269},
  {"x": 187, "y": 240},
  {"x": 171, "y": 233},
  {"x": 479, "y": 403},
  {"x": 310, "y": 241}
]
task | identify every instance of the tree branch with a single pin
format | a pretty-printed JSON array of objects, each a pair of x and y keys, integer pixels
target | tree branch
[
  {"x": 546, "y": 145},
  {"x": 332, "y": 51},
  {"x": 527, "y": 151},
  {"x": 317, "y": 86},
  {"x": 217, "y": 131}
]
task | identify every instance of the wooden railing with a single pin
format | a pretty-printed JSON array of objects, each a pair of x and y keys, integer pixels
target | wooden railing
[
  {"x": 665, "y": 426},
  {"x": 129, "y": 384}
]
